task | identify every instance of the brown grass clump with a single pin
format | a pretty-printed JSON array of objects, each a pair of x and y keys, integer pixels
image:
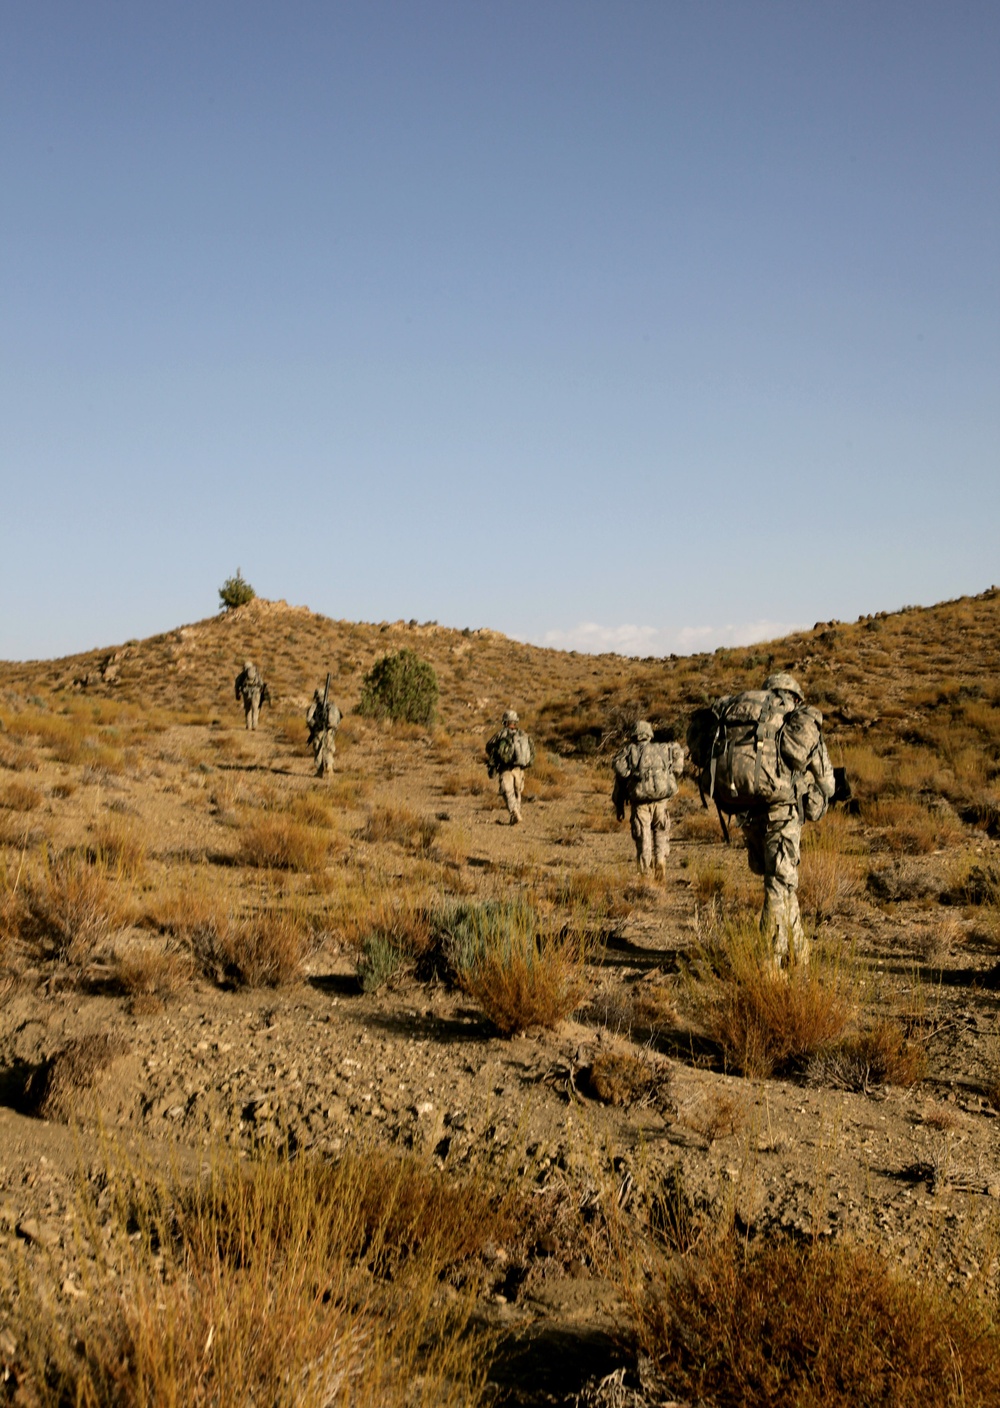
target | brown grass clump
[
  {"x": 264, "y": 949},
  {"x": 72, "y": 905},
  {"x": 148, "y": 974},
  {"x": 768, "y": 1022},
  {"x": 20, "y": 796},
  {"x": 120, "y": 843},
  {"x": 281, "y": 1282},
  {"x": 467, "y": 782},
  {"x": 53, "y": 1092},
  {"x": 817, "y": 1326},
  {"x": 518, "y": 977},
  {"x": 599, "y": 894},
  {"x": 882, "y": 1055},
  {"x": 622, "y": 1078},
  {"x": 276, "y": 842},
  {"x": 402, "y": 826}
]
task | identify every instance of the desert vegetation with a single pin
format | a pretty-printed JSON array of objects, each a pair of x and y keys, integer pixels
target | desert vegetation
[{"x": 447, "y": 1096}]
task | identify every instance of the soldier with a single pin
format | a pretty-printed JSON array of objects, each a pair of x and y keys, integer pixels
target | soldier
[
  {"x": 508, "y": 753},
  {"x": 773, "y": 832},
  {"x": 646, "y": 776},
  {"x": 323, "y": 720},
  {"x": 250, "y": 687}
]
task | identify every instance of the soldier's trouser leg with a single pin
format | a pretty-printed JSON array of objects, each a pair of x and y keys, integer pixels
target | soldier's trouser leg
[
  {"x": 248, "y": 711},
  {"x": 660, "y": 823},
  {"x": 780, "y": 921},
  {"x": 641, "y": 822},
  {"x": 511, "y": 787}
]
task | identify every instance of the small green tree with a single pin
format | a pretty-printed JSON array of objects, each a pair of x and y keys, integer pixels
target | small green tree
[
  {"x": 235, "y": 592},
  {"x": 401, "y": 687}
]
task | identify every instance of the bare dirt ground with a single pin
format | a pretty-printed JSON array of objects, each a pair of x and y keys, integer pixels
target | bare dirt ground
[{"x": 319, "y": 1064}]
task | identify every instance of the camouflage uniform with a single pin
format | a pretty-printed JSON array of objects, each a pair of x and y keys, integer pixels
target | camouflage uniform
[
  {"x": 649, "y": 821},
  {"x": 511, "y": 774},
  {"x": 250, "y": 687},
  {"x": 323, "y": 720},
  {"x": 773, "y": 837}
]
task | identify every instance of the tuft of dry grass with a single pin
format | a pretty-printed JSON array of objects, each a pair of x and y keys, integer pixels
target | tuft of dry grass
[
  {"x": 768, "y": 1022},
  {"x": 881, "y": 1055},
  {"x": 276, "y": 842},
  {"x": 619, "y": 1077},
  {"x": 53, "y": 1092},
  {"x": 264, "y": 949},
  {"x": 519, "y": 977},
  {"x": 819, "y": 1326},
  {"x": 401, "y": 826},
  {"x": 148, "y": 974},
  {"x": 467, "y": 782},
  {"x": 72, "y": 905},
  {"x": 20, "y": 796},
  {"x": 281, "y": 1281},
  {"x": 120, "y": 843}
]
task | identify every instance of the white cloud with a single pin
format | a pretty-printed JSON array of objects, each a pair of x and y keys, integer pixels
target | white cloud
[{"x": 594, "y": 638}]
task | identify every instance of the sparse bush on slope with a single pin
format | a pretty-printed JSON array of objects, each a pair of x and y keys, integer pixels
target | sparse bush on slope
[{"x": 400, "y": 687}]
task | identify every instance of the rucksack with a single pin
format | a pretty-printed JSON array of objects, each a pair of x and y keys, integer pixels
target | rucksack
[
  {"x": 524, "y": 750},
  {"x": 513, "y": 750},
  {"x": 748, "y": 748},
  {"x": 648, "y": 770}
]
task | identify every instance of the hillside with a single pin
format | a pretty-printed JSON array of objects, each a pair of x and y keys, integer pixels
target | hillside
[{"x": 204, "y": 947}]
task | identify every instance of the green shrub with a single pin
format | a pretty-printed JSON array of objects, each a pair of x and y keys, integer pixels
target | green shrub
[
  {"x": 235, "y": 591},
  {"x": 400, "y": 687},
  {"x": 380, "y": 961}
]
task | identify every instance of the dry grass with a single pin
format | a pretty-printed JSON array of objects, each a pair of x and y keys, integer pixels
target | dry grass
[
  {"x": 149, "y": 974},
  {"x": 465, "y": 782},
  {"x": 881, "y": 1055},
  {"x": 278, "y": 842},
  {"x": 817, "y": 1326},
  {"x": 767, "y": 1022},
  {"x": 593, "y": 894},
  {"x": 619, "y": 1077},
  {"x": 120, "y": 843},
  {"x": 72, "y": 905},
  {"x": 910, "y": 827},
  {"x": 833, "y": 868},
  {"x": 264, "y": 949},
  {"x": 402, "y": 827},
  {"x": 280, "y": 1282},
  {"x": 20, "y": 796},
  {"x": 518, "y": 976},
  {"x": 54, "y": 1091}
]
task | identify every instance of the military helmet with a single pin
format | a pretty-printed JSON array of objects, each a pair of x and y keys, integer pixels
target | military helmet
[
  {"x": 643, "y": 731},
  {"x": 248, "y": 664},
  {"x": 783, "y": 680},
  {"x": 510, "y": 716}
]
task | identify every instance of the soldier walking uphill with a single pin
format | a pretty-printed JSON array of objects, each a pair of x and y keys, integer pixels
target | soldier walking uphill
[
  {"x": 646, "y": 776},
  {"x": 323, "y": 720},
  {"x": 508, "y": 753},
  {"x": 250, "y": 687},
  {"x": 762, "y": 759}
]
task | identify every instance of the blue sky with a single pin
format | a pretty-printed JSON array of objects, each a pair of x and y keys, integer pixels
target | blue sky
[{"x": 647, "y": 326}]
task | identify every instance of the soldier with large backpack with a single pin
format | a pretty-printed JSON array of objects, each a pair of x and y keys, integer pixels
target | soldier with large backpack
[
  {"x": 646, "y": 776},
  {"x": 761, "y": 757},
  {"x": 250, "y": 687},
  {"x": 322, "y": 720},
  {"x": 508, "y": 753}
]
